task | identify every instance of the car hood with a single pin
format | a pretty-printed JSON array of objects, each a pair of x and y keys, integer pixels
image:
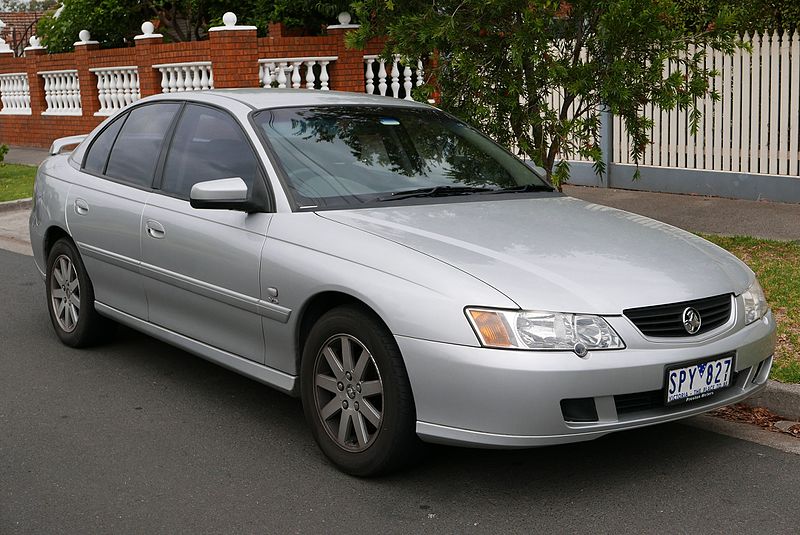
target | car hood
[{"x": 560, "y": 253}]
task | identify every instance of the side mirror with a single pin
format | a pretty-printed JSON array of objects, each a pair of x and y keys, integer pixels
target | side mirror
[{"x": 223, "y": 194}]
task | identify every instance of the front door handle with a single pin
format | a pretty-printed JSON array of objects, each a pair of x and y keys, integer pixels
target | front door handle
[
  {"x": 81, "y": 207},
  {"x": 155, "y": 229}
]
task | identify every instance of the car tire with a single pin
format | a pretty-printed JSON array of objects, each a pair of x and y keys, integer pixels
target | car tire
[
  {"x": 70, "y": 298},
  {"x": 343, "y": 399}
]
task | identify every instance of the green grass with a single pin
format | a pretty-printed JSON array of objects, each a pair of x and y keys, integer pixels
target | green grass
[
  {"x": 777, "y": 265},
  {"x": 16, "y": 181}
]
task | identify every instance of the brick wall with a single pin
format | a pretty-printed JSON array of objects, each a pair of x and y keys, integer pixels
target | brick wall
[{"x": 233, "y": 54}]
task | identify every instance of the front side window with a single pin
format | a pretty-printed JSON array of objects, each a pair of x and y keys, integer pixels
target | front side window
[
  {"x": 208, "y": 144},
  {"x": 346, "y": 156},
  {"x": 138, "y": 146}
]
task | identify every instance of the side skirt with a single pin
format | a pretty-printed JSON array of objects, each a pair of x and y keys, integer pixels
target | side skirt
[{"x": 263, "y": 374}]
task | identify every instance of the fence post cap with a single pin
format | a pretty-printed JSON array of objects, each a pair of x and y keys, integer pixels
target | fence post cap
[
  {"x": 147, "y": 31},
  {"x": 35, "y": 44},
  {"x": 85, "y": 38},
  {"x": 229, "y": 23},
  {"x": 5, "y": 48},
  {"x": 344, "y": 19}
]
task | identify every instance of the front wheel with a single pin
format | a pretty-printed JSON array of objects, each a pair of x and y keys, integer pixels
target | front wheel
[{"x": 356, "y": 394}]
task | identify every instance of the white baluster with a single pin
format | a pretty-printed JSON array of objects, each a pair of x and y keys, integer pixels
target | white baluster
[
  {"x": 101, "y": 94},
  {"x": 75, "y": 96},
  {"x": 210, "y": 77},
  {"x": 382, "y": 78},
  {"x": 369, "y": 75},
  {"x": 173, "y": 79},
  {"x": 310, "y": 74},
  {"x": 203, "y": 78},
  {"x": 164, "y": 80},
  {"x": 323, "y": 76},
  {"x": 420, "y": 74},
  {"x": 271, "y": 74},
  {"x": 296, "y": 79},
  {"x": 395, "y": 78},
  {"x": 180, "y": 82},
  {"x": 136, "y": 94},
  {"x": 407, "y": 82},
  {"x": 281, "y": 76}
]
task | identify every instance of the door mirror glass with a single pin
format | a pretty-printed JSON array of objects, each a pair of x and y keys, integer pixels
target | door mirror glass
[{"x": 222, "y": 194}]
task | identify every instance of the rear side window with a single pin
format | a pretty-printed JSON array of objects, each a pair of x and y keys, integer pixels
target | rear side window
[
  {"x": 97, "y": 156},
  {"x": 208, "y": 144},
  {"x": 136, "y": 150}
]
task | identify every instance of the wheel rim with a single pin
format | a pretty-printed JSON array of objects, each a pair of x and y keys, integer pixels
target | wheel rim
[
  {"x": 348, "y": 393},
  {"x": 65, "y": 293}
]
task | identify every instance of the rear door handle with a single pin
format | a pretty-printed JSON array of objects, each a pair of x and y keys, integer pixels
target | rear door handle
[
  {"x": 155, "y": 229},
  {"x": 81, "y": 207}
]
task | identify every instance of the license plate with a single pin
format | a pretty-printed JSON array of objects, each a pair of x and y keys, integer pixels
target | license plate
[{"x": 696, "y": 381}]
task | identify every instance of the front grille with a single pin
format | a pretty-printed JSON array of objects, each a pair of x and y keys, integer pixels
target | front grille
[{"x": 667, "y": 320}]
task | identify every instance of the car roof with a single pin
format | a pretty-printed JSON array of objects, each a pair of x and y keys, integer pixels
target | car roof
[{"x": 258, "y": 99}]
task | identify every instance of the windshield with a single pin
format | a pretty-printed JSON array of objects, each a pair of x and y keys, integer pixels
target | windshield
[{"x": 346, "y": 156}]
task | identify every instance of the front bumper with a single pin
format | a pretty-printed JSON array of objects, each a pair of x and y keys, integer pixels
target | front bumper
[{"x": 512, "y": 399}]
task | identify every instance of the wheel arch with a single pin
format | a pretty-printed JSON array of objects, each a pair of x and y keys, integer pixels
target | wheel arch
[
  {"x": 51, "y": 236},
  {"x": 317, "y": 306}
]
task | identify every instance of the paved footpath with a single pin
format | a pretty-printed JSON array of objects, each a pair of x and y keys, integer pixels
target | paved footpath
[{"x": 712, "y": 215}]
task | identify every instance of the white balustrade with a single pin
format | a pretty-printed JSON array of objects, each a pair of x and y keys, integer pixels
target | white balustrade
[
  {"x": 308, "y": 72},
  {"x": 376, "y": 67},
  {"x": 116, "y": 88},
  {"x": 15, "y": 94},
  {"x": 191, "y": 76},
  {"x": 62, "y": 92}
]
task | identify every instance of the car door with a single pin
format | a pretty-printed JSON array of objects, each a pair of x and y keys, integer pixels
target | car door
[
  {"x": 104, "y": 207},
  {"x": 202, "y": 266}
]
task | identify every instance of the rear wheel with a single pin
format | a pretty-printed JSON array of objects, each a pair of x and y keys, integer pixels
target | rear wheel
[
  {"x": 70, "y": 297},
  {"x": 356, "y": 394}
]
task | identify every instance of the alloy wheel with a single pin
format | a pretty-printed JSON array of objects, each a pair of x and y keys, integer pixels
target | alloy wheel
[
  {"x": 348, "y": 393},
  {"x": 65, "y": 293}
]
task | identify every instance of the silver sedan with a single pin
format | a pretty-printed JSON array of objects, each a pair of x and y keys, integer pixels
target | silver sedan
[{"x": 406, "y": 277}]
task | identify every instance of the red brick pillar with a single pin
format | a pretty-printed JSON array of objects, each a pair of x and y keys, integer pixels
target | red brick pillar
[
  {"x": 348, "y": 71},
  {"x": 87, "y": 79},
  {"x": 234, "y": 54},
  {"x": 36, "y": 83},
  {"x": 146, "y": 46}
]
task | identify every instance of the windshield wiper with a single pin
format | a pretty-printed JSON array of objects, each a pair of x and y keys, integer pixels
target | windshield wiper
[
  {"x": 527, "y": 188},
  {"x": 435, "y": 191}
]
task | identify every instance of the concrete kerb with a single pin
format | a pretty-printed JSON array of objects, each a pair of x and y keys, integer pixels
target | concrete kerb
[
  {"x": 19, "y": 204},
  {"x": 781, "y": 398}
]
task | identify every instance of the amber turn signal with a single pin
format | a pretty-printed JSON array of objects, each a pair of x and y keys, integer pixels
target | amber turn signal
[{"x": 491, "y": 328}]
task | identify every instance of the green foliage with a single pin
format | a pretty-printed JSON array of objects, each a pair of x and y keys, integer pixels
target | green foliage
[
  {"x": 114, "y": 23},
  {"x": 497, "y": 61},
  {"x": 748, "y": 15},
  {"x": 3, "y": 152},
  {"x": 111, "y": 22}
]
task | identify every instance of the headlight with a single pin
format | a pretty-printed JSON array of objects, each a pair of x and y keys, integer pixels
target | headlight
[
  {"x": 542, "y": 330},
  {"x": 755, "y": 304}
]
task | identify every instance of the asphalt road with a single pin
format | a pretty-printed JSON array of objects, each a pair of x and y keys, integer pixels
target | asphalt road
[{"x": 138, "y": 437}]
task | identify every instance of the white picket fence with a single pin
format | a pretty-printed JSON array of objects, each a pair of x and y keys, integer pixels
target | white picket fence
[{"x": 754, "y": 127}]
